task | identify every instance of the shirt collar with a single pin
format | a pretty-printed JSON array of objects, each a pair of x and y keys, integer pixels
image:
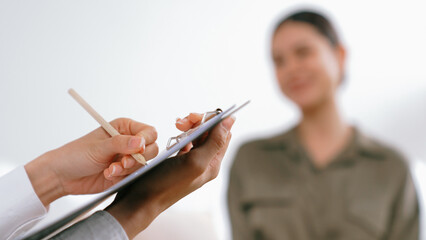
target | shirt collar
[{"x": 358, "y": 147}]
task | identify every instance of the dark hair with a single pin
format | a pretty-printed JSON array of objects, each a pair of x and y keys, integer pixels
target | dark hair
[{"x": 318, "y": 21}]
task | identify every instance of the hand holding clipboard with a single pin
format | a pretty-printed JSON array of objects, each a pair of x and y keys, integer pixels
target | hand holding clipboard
[{"x": 167, "y": 174}]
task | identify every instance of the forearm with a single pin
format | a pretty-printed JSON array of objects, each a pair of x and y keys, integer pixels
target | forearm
[
  {"x": 44, "y": 180},
  {"x": 135, "y": 212},
  {"x": 134, "y": 221}
]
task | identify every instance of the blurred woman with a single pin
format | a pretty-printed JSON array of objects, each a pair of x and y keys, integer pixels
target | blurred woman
[{"x": 322, "y": 179}]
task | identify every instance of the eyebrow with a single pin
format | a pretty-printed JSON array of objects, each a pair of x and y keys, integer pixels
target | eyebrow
[
  {"x": 301, "y": 44},
  {"x": 298, "y": 44}
]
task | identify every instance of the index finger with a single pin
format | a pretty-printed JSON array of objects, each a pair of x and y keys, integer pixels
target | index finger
[
  {"x": 190, "y": 121},
  {"x": 126, "y": 126}
]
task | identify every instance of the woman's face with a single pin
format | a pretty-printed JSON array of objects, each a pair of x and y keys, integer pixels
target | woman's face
[{"x": 307, "y": 66}]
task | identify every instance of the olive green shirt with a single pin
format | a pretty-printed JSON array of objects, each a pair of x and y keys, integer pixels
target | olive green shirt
[{"x": 366, "y": 192}]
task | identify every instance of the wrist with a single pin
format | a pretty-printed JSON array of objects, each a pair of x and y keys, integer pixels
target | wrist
[
  {"x": 44, "y": 180},
  {"x": 134, "y": 215}
]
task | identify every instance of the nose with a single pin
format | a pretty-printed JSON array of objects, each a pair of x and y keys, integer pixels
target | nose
[{"x": 293, "y": 66}]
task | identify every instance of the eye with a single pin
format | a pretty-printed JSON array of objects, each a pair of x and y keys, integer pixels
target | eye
[
  {"x": 303, "y": 52},
  {"x": 278, "y": 61}
]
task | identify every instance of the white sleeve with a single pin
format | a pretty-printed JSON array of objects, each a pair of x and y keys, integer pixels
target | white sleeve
[
  {"x": 101, "y": 225},
  {"x": 20, "y": 207}
]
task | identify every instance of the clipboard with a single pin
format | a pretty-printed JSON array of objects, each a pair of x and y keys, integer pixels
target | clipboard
[{"x": 58, "y": 225}]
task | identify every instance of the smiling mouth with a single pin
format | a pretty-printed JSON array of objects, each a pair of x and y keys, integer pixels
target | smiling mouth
[{"x": 298, "y": 84}]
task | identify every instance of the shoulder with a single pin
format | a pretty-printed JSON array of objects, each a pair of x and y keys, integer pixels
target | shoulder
[
  {"x": 384, "y": 158},
  {"x": 274, "y": 142},
  {"x": 383, "y": 167},
  {"x": 265, "y": 144},
  {"x": 263, "y": 148},
  {"x": 374, "y": 148}
]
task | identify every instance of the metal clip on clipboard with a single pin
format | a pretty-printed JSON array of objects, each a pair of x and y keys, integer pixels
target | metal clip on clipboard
[{"x": 173, "y": 141}]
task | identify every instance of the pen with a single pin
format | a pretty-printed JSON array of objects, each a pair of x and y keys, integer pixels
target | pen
[{"x": 106, "y": 125}]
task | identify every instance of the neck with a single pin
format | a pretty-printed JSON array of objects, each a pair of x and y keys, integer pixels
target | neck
[
  {"x": 323, "y": 120},
  {"x": 323, "y": 132}
]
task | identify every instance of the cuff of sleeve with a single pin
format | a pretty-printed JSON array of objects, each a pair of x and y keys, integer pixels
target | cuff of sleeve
[
  {"x": 101, "y": 225},
  {"x": 21, "y": 208}
]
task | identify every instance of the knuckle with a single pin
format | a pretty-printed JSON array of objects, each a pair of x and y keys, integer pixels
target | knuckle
[
  {"x": 219, "y": 142},
  {"x": 154, "y": 132},
  {"x": 196, "y": 166},
  {"x": 120, "y": 120},
  {"x": 156, "y": 149},
  {"x": 214, "y": 167},
  {"x": 150, "y": 133},
  {"x": 121, "y": 124},
  {"x": 213, "y": 174}
]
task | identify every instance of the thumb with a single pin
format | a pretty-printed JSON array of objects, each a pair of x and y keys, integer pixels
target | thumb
[
  {"x": 217, "y": 142},
  {"x": 123, "y": 144}
]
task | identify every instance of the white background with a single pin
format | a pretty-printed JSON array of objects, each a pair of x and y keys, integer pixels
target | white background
[{"x": 157, "y": 60}]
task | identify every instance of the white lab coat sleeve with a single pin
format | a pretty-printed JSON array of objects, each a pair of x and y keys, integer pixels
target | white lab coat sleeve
[{"x": 20, "y": 207}]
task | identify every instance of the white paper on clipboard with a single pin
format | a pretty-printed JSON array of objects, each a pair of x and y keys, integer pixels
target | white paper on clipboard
[{"x": 58, "y": 225}]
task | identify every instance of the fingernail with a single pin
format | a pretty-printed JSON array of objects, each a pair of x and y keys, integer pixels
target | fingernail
[
  {"x": 125, "y": 162},
  {"x": 179, "y": 121},
  {"x": 228, "y": 123},
  {"x": 114, "y": 169},
  {"x": 136, "y": 142},
  {"x": 142, "y": 144}
]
